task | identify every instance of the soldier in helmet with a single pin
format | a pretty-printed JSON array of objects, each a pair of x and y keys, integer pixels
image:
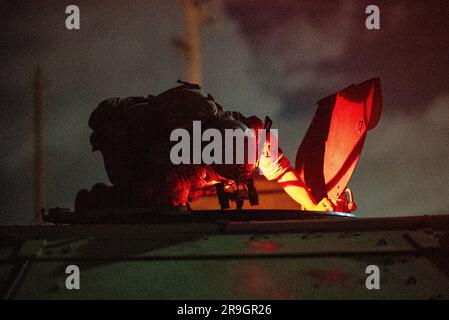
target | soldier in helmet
[{"x": 133, "y": 135}]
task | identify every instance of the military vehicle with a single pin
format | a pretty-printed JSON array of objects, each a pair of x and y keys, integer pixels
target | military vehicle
[{"x": 269, "y": 253}]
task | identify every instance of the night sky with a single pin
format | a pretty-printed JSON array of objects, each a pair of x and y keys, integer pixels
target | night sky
[{"x": 273, "y": 58}]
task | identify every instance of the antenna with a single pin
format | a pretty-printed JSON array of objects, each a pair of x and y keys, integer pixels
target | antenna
[{"x": 39, "y": 183}]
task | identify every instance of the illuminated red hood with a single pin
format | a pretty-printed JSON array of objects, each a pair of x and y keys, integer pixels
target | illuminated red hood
[{"x": 334, "y": 141}]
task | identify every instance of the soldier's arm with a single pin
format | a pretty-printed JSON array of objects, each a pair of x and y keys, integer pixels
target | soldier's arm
[
  {"x": 280, "y": 170},
  {"x": 298, "y": 191}
]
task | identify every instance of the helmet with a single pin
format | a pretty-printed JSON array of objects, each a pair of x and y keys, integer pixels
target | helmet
[{"x": 238, "y": 168}]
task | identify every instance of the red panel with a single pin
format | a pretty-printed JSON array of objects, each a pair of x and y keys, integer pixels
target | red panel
[{"x": 331, "y": 147}]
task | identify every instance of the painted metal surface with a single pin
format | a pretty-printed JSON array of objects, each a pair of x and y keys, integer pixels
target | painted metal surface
[
  {"x": 284, "y": 259},
  {"x": 334, "y": 141}
]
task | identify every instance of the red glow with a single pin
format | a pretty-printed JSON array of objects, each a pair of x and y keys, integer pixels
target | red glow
[{"x": 265, "y": 246}]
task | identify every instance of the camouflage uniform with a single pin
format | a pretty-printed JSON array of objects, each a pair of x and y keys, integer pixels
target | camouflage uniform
[{"x": 133, "y": 135}]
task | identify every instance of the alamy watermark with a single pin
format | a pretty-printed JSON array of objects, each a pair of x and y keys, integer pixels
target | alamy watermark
[
  {"x": 213, "y": 146},
  {"x": 372, "y": 21},
  {"x": 373, "y": 279},
  {"x": 72, "y": 281}
]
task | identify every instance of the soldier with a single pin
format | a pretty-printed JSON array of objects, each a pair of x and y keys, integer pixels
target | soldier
[{"x": 133, "y": 135}]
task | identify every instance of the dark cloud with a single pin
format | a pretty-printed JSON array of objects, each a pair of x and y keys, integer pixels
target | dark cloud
[{"x": 318, "y": 47}]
